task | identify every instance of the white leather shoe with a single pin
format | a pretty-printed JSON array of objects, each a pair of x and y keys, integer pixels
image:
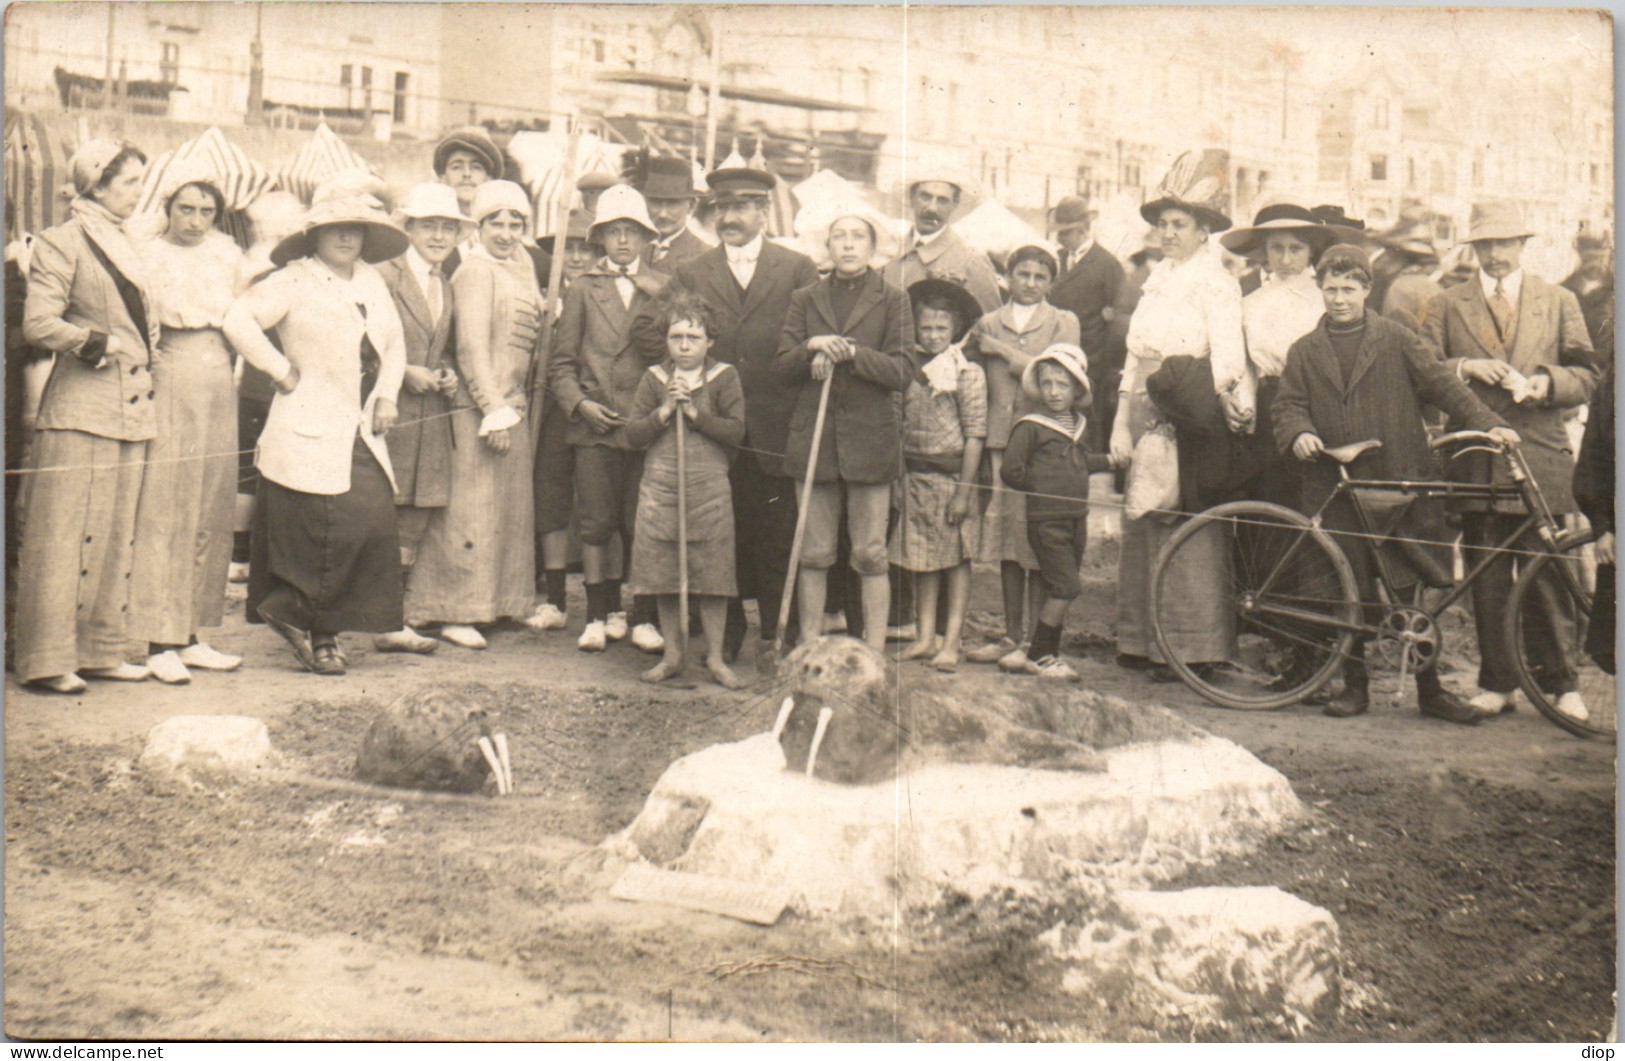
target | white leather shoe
[
  {"x": 463, "y": 636},
  {"x": 1573, "y": 705},
  {"x": 1055, "y": 669},
  {"x": 69, "y": 684},
  {"x": 203, "y": 657},
  {"x": 593, "y": 638},
  {"x": 1016, "y": 662},
  {"x": 645, "y": 638},
  {"x": 546, "y": 617},
  {"x": 615, "y": 626},
  {"x": 124, "y": 672},
  {"x": 405, "y": 639},
  {"x": 1491, "y": 703},
  {"x": 167, "y": 667}
]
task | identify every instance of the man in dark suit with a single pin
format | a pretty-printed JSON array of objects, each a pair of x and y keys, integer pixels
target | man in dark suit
[
  {"x": 749, "y": 281},
  {"x": 1522, "y": 346},
  {"x": 1089, "y": 285},
  {"x": 668, "y": 188},
  {"x": 420, "y": 444},
  {"x": 465, "y": 159}
]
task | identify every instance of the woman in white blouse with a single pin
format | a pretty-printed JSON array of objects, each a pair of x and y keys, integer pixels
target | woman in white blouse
[
  {"x": 1191, "y": 306},
  {"x": 1287, "y": 239},
  {"x": 183, "y": 531}
]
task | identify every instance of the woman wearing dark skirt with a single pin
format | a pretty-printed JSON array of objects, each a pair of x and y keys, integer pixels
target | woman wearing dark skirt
[{"x": 326, "y": 556}]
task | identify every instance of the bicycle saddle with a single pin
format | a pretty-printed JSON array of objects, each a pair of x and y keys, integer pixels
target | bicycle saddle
[{"x": 1352, "y": 452}]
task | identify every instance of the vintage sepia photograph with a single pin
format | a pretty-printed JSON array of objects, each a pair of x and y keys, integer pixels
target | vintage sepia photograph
[{"x": 808, "y": 523}]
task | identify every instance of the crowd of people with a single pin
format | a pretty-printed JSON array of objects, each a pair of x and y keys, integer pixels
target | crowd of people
[{"x": 433, "y": 425}]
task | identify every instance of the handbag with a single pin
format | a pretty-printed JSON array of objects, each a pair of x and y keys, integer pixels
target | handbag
[{"x": 1153, "y": 477}]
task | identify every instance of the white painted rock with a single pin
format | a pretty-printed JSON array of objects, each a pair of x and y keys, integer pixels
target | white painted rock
[
  {"x": 734, "y": 811},
  {"x": 1213, "y": 953},
  {"x": 199, "y": 746}
]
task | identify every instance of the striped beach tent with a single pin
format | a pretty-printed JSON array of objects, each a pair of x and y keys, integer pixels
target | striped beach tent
[
  {"x": 541, "y": 158},
  {"x": 321, "y": 157},
  {"x": 240, "y": 179},
  {"x": 35, "y": 171}
]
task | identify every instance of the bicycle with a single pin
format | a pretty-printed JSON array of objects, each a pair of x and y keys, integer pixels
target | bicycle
[{"x": 1292, "y": 599}]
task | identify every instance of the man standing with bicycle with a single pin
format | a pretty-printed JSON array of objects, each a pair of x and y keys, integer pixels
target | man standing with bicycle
[{"x": 1522, "y": 347}]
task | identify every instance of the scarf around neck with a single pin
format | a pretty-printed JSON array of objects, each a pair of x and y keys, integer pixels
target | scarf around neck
[
  {"x": 942, "y": 372},
  {"x": 107, "y": 230}
]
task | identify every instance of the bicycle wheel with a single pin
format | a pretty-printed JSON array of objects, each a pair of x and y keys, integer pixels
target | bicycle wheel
[
  {"x": 1548, "y": 617},
  {"x": 1288, "y": 594}
]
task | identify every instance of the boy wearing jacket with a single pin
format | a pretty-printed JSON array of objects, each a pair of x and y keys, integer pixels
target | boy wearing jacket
[{"x": 1048, "y": 460}]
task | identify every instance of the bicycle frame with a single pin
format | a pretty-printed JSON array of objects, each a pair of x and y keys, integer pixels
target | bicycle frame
[{"x": 1523, "y": 488}]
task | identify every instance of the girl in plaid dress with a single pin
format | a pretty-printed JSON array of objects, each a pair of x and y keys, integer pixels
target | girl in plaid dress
[{"x": 944, "y": 427}]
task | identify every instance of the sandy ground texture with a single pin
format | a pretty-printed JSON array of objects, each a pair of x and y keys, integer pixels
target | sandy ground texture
[{"x": 1471, "y": 871}]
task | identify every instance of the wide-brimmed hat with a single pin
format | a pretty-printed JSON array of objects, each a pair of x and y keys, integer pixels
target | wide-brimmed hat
[
  {"x": 1496, "y": 220},
  {"x": 579, "y": 227},
  {"x": 470, "y": 138},
  {"x": 1335, "y": 216},
  {"x": 596, "y": 181},
  {"x": 1071, "y": 212},
  {"x": 668, "y": 177},
  {"x": 621, "y": 202},
  {"x": 1197, "y": 183},
  {"x": 493, "y": 196},
  {"x": 383, "y": 238},
  {"x": 1069, "y": 357},
  {"x": 739, "y": 183},
  {"x": 1409, "y": 237},
  {"x": 1279, "y": 217},
  {"x": 939, "y": 170},
  {"x": 965, "y": 305},
  {"x": 814, "y": 221},
  {"x": 432, "y": 199}
]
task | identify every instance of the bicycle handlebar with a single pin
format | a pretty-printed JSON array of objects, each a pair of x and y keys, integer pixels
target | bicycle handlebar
[{"x": 1482, "y": 438}]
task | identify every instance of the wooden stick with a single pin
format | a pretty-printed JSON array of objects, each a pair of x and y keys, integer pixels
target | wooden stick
[
  {"x": 801, "y": 521},
  {"x": 491, "y": 761},
  {"x": 682, "y": 529},
  {"x": 555, "y": 282},
  {"x": 501, "y": 742}
]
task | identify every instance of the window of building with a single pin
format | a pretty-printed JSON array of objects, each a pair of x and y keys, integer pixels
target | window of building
[
  {"x": 1131, "y": 174},
  {"x": 1379, "y": 114},
  {"x": 1379, "y": 167},
  {"x": 347, "y": 83},
  {"x": 366, "y": 88},
  {"x": 169, "y": 67},
  {"x": 402, "y": 78}
]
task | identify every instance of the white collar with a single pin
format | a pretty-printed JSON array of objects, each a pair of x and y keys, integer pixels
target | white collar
[
  {"x": 924, "y": 241},
  {"x": 1083, "y": 248},
  {"x": 748, "y": 253},
  {"x": 609, "y": 266},
  {"x": 1512, "y": 283},
  {"x": 418, "y": 265}
]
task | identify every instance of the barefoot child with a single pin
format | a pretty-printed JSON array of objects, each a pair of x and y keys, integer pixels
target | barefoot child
[
  {"x": 944, "y": 426},
  {"x": 1005, "y": 342},
  {"x": 1048, "y": 460},
  {"x": 708, "y": 396}
]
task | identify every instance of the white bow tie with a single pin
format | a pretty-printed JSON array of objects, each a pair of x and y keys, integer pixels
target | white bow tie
[{"x": 742, "y": 256}]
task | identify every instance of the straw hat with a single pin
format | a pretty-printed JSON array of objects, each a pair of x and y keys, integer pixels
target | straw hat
[
  {"x": 1279, "y": 217},
  {"x": 940, "y": 171},
  {"x": 1496, "y": 220},
  {"x": 966, "y": 308},
  {"x": 500, "y": 195},
  {"x": 433, "y": 199},
  {"x": 383, "y": 240},
  {"x": 621, "y": 203},
  {"x": 473, "y": 139},
  {"x": 1411, "y": 238},
  {"x": 1069, "y": 357},
  {"x": 815, "y": 220},
  {"x": 1197, "y": 183}
]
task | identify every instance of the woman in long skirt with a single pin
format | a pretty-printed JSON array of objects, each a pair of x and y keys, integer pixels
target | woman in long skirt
[
  {"x": 184, "y": 522},
  {"x": 477, "y": 562},
  {"x": 326, "y": 556},
  {"x": 87, "y": 304}
]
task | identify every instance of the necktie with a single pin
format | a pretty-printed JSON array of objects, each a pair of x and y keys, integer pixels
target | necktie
[
  {"x": 1066, "y": 259},
  {"x": 1501, "y": 310},
  {"x": 435, "y": 306}
]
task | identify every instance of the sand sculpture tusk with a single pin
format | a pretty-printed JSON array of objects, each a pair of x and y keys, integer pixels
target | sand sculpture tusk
[
  {"x": 501, "y": 742},
  {"x": 785, "y": 708},
  {"x": 824, "y": 714},
  {"x": 496, "y": 767}
]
